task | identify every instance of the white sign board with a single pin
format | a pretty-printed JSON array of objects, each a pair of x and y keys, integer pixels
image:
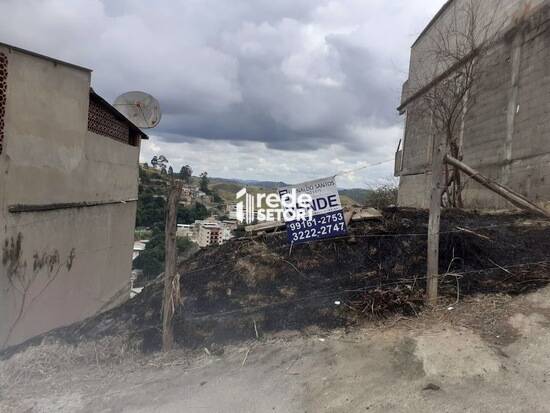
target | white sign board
[{"x": 326, "y": 217}]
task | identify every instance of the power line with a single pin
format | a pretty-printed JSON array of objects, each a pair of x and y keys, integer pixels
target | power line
[{"x": 350, "y": 171}]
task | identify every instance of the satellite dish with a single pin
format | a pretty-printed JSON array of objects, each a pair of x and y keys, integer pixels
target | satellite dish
[{"x": 142, "y": 109}]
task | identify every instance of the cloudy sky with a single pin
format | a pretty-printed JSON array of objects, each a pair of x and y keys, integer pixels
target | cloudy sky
[{"x": 285, "y": 90}]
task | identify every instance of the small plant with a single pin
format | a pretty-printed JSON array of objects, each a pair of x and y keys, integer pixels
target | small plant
[{"x": 382, "y": 196}]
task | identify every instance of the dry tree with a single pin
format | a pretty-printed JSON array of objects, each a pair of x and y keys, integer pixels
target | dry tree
[{"x": 449, "y": 80}]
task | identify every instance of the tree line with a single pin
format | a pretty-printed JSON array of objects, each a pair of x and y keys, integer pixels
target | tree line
[{"x": 151, "y": 207}]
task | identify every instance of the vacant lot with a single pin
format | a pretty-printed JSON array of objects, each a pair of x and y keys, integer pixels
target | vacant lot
[
  {"x": 488, "y": 353},
  {"x": 261, "y": 285}
]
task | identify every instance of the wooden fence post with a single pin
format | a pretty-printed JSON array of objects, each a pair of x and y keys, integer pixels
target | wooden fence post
[
  {"x": 437, "y": 188},
  {"x": 171, "y": 296},
  {"x": 513, "y": 197}
]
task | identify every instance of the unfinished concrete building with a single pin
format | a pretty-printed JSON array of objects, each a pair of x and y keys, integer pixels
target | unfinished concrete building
[
  {"x": 505, "y": 129},
  {"x": 68, "y": 189}
]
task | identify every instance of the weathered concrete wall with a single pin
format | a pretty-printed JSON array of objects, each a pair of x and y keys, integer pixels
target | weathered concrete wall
[
  {"x": 494, "y": 14},
  {"x": 417, "y": 145},
  {"x": 507, "y": 125},
  {"x": 99, "y": 240},
  {"x": 413, "y": 190},
  {"x": 71, "y": 261},
  {"x": 48, "y": 145}
]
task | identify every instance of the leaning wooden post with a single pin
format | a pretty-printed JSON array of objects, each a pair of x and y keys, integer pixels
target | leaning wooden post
[
  {"x": 507, "y": 193},
  {"x": 171, "y": 280},
  {"x": 437, "y": 188}
]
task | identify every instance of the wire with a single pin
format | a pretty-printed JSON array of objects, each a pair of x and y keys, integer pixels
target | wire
[
  {"x": 160, "y": 278},
  {"x": 414, "y": 234},
  {"x": 331, "y": 293},
  {"x": 341, "y": 173},
  {"x": 363, "y": 167},
  {"x": 338, "y": 293},
  {"x": 335, "y": 294}
]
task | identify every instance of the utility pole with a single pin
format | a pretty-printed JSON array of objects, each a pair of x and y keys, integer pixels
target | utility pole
[
  {"x": 437, "y": 187},
  {"x": 172, "y": 295}
]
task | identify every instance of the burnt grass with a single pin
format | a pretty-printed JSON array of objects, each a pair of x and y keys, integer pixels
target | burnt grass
[{"x": 254, "y": 285}]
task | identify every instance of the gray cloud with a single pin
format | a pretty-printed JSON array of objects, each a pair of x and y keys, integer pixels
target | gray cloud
[{"x": 297, "y": 75}]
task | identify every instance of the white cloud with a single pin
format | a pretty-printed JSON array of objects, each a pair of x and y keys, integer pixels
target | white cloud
[
  {"x": 254, "y": 160},
  {"x": 301, "y": 84}
]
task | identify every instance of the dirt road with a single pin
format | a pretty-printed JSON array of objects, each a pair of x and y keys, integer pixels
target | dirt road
[{"x": 500, "y": 362}]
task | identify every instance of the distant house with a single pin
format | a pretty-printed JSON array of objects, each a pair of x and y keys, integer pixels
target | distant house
[
  {"x": 187, "y": 196},
  {"x": 200, "y": 194},
  {"x": 68, "y": 191},
  {"x": 505, "y": 133},
  {"x": 138, "y": 247},
  {"x": 228, "y": 227},
  {"x": 231, "y": 210},
  {"x": 210, "y": 233},
  {"x": 135, "y": 277},
  {"x": 185, "y": 231}
]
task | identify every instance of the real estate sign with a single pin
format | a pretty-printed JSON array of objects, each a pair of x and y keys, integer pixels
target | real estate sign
[{"x": 322, "y": 214}]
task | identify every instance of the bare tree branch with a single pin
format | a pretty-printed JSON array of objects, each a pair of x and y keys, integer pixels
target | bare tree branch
[{"x": 460, "y": 42}]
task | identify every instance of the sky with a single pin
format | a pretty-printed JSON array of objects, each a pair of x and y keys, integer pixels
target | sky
[{"x": 279, "y": 90}]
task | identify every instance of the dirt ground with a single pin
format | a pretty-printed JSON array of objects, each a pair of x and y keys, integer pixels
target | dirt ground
[{"x": 487, "y": 353}]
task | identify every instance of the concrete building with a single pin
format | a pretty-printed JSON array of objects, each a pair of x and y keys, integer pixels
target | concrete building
[
  {"x": 231, "y": 211},
  {"x": 210, "y": 233},
  {"x": 185, "y": 231},
  {"x": 229, "y": 226},
  {"x": 139, "y": 246},
  {"x": 190, "y": 193},
  {"x": 505, "y": 129},
  {"x": 68, "y": 189}
]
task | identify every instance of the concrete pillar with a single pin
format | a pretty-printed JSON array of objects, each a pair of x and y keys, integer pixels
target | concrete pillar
[{"x": 513, "y": 106}]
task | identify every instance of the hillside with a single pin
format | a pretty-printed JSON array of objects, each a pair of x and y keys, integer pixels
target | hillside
[
  {"x": 357, "y": 195},
  {"x": 260, "y": 283},
  {"x": 226, "y": 188},
  {"x": 251, "y": 182}
]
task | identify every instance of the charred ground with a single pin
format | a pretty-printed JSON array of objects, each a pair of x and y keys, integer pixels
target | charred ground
[{"x": 259, "y": 284}]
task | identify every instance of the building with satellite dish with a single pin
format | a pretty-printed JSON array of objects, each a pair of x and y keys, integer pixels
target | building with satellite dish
[{"x": 68, "y": 192}]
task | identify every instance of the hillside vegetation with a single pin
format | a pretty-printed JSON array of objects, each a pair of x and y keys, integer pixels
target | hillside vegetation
[
  {"x": 377, "y": 198},
  {"x": 152, "y": 198}
]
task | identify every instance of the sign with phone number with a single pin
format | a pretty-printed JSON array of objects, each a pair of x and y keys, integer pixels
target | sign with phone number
[
  {"x": 329, "y": 225},
  {"x": 327, "y": 220}
]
